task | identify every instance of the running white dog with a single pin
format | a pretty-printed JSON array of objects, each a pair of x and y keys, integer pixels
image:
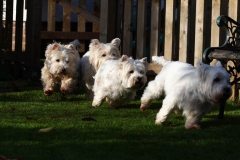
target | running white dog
[
  {"x": 60, "y": 67},
  {"x": 91, "y": 60},
  {"x": 192, "y": 90},
  {"x": 118, "y": 81}
]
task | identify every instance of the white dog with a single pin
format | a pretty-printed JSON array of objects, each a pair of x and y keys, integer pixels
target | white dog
[
  {"x": 192, "y": 90},
  {"x": 91, "y": 61},
  {"x": 60, "y": 67},
  {"x": 118, "y": 80}
]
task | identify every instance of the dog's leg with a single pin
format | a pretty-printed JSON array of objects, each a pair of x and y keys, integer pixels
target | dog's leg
[
  {"x": 167, "y": 107},
  {"x": 98, "y": 98},
  {"x": 150, "y": 93},
  {"x": 113, "y": 104},
  {"x": 67, "y": 85},
  {"x": 193, "y": 122},
  {"x": 48, "y": 84}
]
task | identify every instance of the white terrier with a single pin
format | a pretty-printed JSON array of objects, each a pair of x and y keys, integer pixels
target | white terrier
[
  {"x": 118, "y": 81},
  {"x": 91, "y": 60},
  {"x": 61, "y": 66},
  {"x": 192, "y": 90}
]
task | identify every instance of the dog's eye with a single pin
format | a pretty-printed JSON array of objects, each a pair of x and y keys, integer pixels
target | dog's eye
[
  {"x": 104, "y": 55},
  {"x": 113, "y": 54},
  {"x": 217, "y": 79},
  {"x": 141, "y": 72},
  {"x": 58, "y": 60},
  {"x": 67, "y": 61},
  {"x": 132, "y": 71}
]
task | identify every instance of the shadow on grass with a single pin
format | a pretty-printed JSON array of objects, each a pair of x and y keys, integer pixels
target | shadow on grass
[{"x": 91, "y": 140}]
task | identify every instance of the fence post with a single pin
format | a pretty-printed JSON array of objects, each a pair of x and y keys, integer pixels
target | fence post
[
  {"x": 127, "y": 28},
  {"x": 141, "y": 29},
  {"x": 198, "y": 50},
  {"x": 155, "y": 33},
  {"x": 33, "y": 31},
  {"x": 107, "y": 20},
  {"x": 168, "y": 37}
]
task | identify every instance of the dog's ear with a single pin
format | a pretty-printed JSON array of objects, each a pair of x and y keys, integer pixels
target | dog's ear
[
  {"x": 203, "y": 70},
  {"x": 116, "y": 42},
  {"x": 76, "y": 43},
  {"x": 145, "y": 62},
  {"x": 124, "y": 58},
  {"x": 219, "y": 64},
  {"x": 199, "y": 63},
  {"x": 50, "y": 48},
  {"x": 94, "y": 44},
  {"x": 71, "y": 46}
]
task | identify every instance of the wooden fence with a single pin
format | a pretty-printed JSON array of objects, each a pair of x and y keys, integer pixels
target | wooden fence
[
  {"x": 187, "y": 26},
  {"x": 178, "y": 29}
]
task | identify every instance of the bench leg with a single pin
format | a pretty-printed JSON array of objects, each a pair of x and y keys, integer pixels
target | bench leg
[{"x": 221, "y": 110}]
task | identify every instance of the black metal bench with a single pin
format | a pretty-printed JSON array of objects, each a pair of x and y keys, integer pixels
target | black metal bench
[{"x": 229, "y": 51}]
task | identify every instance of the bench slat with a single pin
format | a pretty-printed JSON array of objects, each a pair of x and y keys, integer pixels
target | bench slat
[{"x": 224, "y": 54}]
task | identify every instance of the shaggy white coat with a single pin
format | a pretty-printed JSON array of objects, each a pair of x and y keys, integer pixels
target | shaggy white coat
[
  {"x": 188, "y": 89},
  {"x": 60, "y": 67},
  {"x": 91, "y": 61},
  {"x": 118, "y": 81}
]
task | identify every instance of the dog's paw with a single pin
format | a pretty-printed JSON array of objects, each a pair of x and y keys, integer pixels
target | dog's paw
[
  {"x": 64, "y": 90},
  {"x": 48, "y": 92},
  {"x": 95, "y": 104},
  {"x": 159, "y": 123},
  {"x": 194, "y": 126},
  {"x": 143, "y": 107}
]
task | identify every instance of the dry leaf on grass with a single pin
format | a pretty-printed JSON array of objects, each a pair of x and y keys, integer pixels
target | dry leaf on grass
[{"x": 46, "y": 129}]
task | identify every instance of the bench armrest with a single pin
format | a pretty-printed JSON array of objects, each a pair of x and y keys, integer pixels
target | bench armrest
[{"x": 232, "y": 41}]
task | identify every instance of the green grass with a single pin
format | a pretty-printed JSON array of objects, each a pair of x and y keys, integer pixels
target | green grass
[{"x": 121, "y": 134}]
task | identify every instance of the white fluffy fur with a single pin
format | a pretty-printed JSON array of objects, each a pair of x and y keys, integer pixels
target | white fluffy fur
[
  {"x": 118, "y": 80},
  {"x": 192, "y": 90},
  {"x": 91, "y": 60},
  {"x": 61, "y": 66}
]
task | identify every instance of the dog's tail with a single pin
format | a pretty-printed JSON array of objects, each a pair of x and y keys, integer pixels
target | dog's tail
[
  {"x": 76, "y": 43},
  {"x": 160, "y": 60}
]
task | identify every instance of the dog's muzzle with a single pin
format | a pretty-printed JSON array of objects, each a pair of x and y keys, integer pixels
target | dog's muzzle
[
  {"x": 227, "y": 92},
  {"x": 63, "y": 70}
]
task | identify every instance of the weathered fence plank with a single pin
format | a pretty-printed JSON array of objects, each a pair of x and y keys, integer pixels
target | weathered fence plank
[
  {"x": 81, "y": 24},
  {"x": 183, "y": 31},
  {"x": 9, "y": 25},
  {"x": 141, "y": 28},
  {"x": 168, "y": 37},
  {"x": 127, "y": 30},
  {"x": 51, "y": 15},
  {"x": 81, "y": 19},
  {"x": 107, "y": 21},
  {"x": 33, "y": 32},
  {"x": 1, "y": 26},
  {"x": 66, "y": 20},
  {"x": 214, "y": 28},
  {"x": 199, "y": 31},
  {"x": 233, "y": 9},
  {"x": 19, "y": 26},
  {"x": 154, "y": 32}
]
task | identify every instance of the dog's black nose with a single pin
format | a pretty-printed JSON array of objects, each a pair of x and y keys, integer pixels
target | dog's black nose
[
  {"x": 139, "y": 78},
  {"x": 227, "y": 90},
  {"x": 63, "y": 70}
]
